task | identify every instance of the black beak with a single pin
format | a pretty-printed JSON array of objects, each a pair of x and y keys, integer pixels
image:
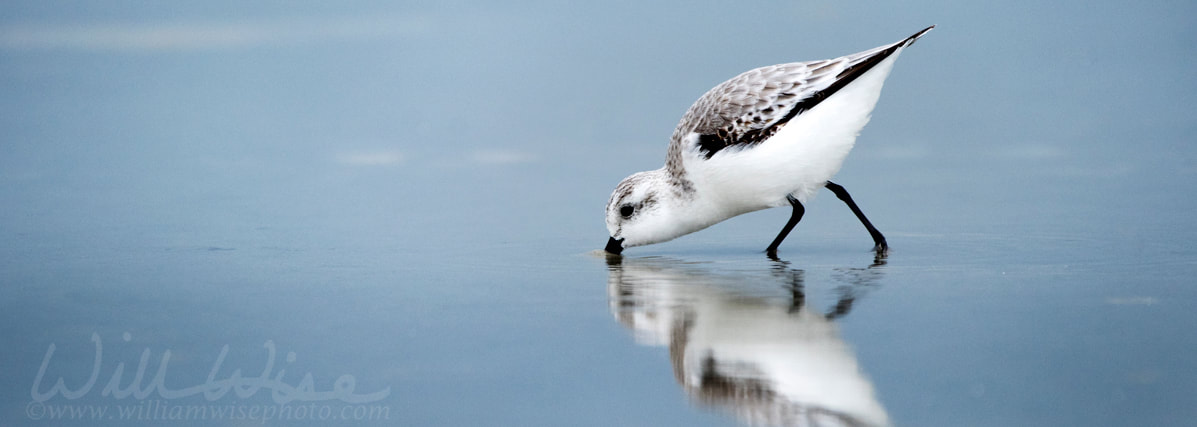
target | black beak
[{"x": 614, "y": 246}]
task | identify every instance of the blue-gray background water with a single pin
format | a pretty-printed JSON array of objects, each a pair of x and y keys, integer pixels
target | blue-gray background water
[{"x": 405, "y": 200}]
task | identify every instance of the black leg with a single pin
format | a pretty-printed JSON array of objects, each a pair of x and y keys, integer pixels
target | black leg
[
  {"x": 878, "y": 239},
  {"x": 785, "y": 231}
]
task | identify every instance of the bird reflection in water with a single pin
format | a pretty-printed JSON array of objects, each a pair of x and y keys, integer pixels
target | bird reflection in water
[{"x": 746, "y": 341}]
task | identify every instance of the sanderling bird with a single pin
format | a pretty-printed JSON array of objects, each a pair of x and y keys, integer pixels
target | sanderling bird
[{"x": 769, "y": 137}]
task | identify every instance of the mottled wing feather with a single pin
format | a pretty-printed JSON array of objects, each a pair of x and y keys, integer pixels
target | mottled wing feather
[{"x": 753, "y": 106}]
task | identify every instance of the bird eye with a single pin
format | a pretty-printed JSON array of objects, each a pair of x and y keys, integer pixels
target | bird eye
[{"x": 626, "y": 210}]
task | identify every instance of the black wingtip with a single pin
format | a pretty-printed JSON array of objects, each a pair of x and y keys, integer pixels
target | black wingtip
[
  {"x": 910, "y": 40},
  {"x": 848, "y": 75}
]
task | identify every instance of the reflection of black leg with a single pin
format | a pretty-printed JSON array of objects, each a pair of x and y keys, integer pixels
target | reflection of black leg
[
  {"x": 794, "y": 218},
  {"x": 878, "y": 239},
  {"x": 841, "y": 307},
  {"x": 879, "y": 258},
  {"x": 797, "y": 293},
  {"x": 795, "y": 281},
  {"x": 797, "y": 300}
]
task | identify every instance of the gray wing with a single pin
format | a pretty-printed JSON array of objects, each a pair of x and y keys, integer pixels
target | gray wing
[{"x": 753, "y": 106}]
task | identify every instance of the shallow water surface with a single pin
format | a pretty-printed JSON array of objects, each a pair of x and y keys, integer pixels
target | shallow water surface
[{"x": 390, "y": 215}]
